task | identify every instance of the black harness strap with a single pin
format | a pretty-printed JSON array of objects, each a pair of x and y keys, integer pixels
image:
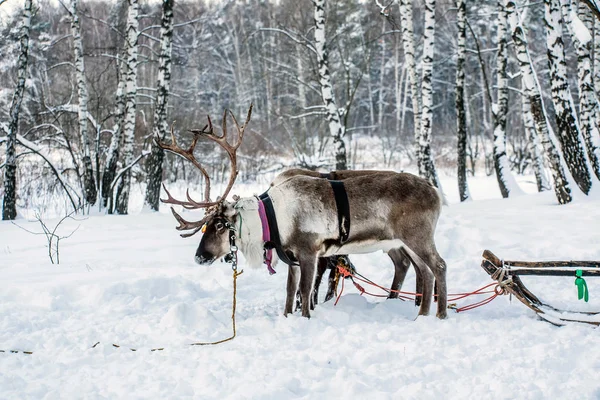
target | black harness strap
[
  {"x": 343, "y": 209},
  {"x": 272, "y": 221}
]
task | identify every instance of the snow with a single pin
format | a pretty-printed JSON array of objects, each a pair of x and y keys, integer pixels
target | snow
[{"x": 131, "y": 280}]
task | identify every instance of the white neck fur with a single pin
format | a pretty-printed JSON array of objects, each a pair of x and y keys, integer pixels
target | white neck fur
[{"x": 249, "y": 237}]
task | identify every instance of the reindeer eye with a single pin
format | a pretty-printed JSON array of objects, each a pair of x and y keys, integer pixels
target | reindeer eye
[{"x": 219, "y": 226}]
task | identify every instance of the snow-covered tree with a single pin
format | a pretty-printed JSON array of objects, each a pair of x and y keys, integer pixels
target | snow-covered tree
[
  {"x": 336, "y": 128},
  {"x": 424, "y": 156},
  {"x": 533, "y": 145},
  {"x": 154, "y": 163},
  {"x": 408, "y": 44},
  {"x": 9, "y": 206},
  {"x": 589, "y": 108},
  {"x": 531, "y": 89},
  {"x": 568, "y": 130},
  {"x": 505, "y": 180},
  {"x": 461, "y": 116},
  {"x": 89, "y": 183},
  {"x": 122, "y": 202}
]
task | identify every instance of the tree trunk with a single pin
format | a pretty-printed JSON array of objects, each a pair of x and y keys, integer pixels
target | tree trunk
[
  {"x": 408, "y": 43},
  {"x": 505, "y": 180},
  {"x": 532, "y": 90},
  {"x": 533, "y": 145},
  {"x": 89, "y": 184},
  {"x": 596, "y": 47},
  {"x": 566, "y": 121},
  {"x": 425, "y": 159},
  {"x": 155, "y": 160},
  {"x": 122, "y": 202},
  {"x": 589, "y": 108},
  {"x": 9, "y": 206},
  {"x": 336, "y": 129},
  {"x": 461, "y": 118}
]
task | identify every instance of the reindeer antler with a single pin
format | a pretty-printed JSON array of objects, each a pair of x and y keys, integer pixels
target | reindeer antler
[{"x": 188, "y": 154}]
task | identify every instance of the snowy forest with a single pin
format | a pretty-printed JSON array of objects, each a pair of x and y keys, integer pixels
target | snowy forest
[
  {"x": 466, "y": 88},
  {"x": 437, "y": 160}
]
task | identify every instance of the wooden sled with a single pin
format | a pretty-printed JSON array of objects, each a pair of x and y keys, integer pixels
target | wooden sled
[{"x": 507, "y": 274}]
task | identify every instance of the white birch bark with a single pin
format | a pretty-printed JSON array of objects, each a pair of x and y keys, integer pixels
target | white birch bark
[
  {"x": 589, "y": 108},
  {"x": 161, "y": 127},
  {"x": 506, "y": 181},
  {"x": 566, "y": 121},
  {"x": 533, "y": 145},
  {"x": 424, "y": 156},
  {"x": 122, "y": 201},
  {"x": 408, "y": 43},
  {"x": 112, "y": 157},
  {"x": 596, "y": 47},
  {"x": 336, "y": 129},
  {"x": 89, "y": 185},
  {"x": 461, "y": 118},
  {"x": 9, "y": 204},
  {"x": 531, "y": 88}
]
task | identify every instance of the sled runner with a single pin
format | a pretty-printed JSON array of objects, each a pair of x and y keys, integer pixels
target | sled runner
[{"x": 507, "y": 274}]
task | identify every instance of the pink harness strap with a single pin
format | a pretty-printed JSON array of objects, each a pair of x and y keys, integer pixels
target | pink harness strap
[{"x": 266, "y": 235}]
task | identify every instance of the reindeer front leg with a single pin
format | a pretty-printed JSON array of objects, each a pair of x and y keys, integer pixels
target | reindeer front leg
[
  {"x": 292, "y": 287},
  {"x": 308, "y": 267}
]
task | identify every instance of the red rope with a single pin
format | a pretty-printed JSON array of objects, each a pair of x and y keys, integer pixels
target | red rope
[{"x": 346, "y": 273}]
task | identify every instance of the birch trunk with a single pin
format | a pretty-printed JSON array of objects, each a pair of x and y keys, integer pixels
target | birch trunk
[
  {"x": 566, "y": 121},
  {"x": 155, "y": 161},
  {"x": 424, "y": 157},
  {"x": 89, "y": 184},
  {"x": 589, "y": 108},
  {"x": 110, "y": 168},
  {"x": 336, "y": 129},
  {"x": 122, "y": 201},
  {"x": 500, "y": 108},
  {"x": 533, "y": 145},
  {"x": 532, "y": 91},
  {"x": 596, "y": 47},
  {"x": 9, "y": 205},
  {"x": 408, "y": 43},
  {"x": 461, "y": 118}
]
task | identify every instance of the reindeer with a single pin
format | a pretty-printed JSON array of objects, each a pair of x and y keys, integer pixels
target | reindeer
[
  {"x": 331, "y": 262},
  {"x": 393, "y": 212}
]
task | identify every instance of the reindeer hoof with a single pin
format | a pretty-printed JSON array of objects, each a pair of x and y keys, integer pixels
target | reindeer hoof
[{"x": 442, "y": 315}]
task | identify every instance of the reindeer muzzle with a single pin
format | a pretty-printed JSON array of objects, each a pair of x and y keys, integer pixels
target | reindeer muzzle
[{"x": 204, "y": 258}]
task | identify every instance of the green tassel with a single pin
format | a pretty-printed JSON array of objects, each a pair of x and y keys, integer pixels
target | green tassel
[{"x": 582, "y": 289}]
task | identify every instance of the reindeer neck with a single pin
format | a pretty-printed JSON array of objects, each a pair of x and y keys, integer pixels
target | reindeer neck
[{"x": 249, "y": 231}]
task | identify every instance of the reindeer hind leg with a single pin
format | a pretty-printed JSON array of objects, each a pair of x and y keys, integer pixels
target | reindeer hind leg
[
  {"x": 401, "y": 265},
  {"x": 292, "y": 288}
]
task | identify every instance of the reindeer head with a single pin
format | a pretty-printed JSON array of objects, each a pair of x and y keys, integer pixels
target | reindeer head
[
  {"x": 217, "y": 230},
  {"x": 220, "y": 215}
]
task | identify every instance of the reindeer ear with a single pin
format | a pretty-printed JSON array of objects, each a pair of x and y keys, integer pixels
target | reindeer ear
[{"x": 228, "y": 209}]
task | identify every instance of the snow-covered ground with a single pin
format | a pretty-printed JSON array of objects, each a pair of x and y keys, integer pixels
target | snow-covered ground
[{"x": 131, "y": 280}]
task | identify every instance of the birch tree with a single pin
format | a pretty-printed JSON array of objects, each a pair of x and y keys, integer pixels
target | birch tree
[
  {"x": 89, "y": 184},
  {"x": 154, "y": 163},
  {"x": 9, "y": 206},
  {"x": 408, "y": 44},
  {"x": 122, "y": 202},
  {"x": 461, "y": 117},
  {"x": 334, "y": 119},
  {"x": 589, "y": 108},
  {"x": 424, "y": 157},
  {"x": 505, "y": 179},
  {"x": 531, "y": 88},
  {"x": 566, "y": 121},
  {"x": 533, "y": 145}
]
